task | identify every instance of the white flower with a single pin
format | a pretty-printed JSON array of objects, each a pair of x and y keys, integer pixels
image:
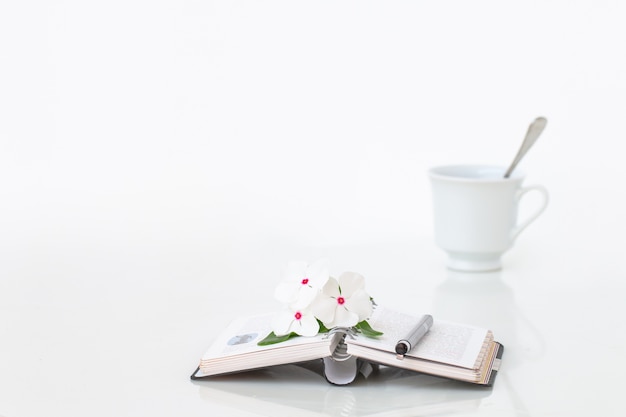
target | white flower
[
  {"x": 301, "y": 322},
  {"x": 343, "y": 302},
  {"x": 302, "y": 282}
]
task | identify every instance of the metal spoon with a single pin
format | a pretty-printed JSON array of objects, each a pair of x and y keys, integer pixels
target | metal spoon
[{"x": 534, "y": 130}]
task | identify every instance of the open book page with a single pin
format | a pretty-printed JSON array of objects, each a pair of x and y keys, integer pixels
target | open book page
[
  {"x": 242, "y": 337},
  {"x": 236, "y": 348},
  {"x": 449, "y": 343}
]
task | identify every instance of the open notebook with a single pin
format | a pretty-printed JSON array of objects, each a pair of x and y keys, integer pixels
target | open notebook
[{"x": 449, "y": 350}]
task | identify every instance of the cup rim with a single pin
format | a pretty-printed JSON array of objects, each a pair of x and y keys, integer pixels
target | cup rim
[{"x": 446, "y": 172}]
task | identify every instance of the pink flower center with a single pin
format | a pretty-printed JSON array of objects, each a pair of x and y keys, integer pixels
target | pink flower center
[
  {"x": 305, "y": 281},
  {"x": 298, "y": 315},
  {"x": 341, "y": 300}
]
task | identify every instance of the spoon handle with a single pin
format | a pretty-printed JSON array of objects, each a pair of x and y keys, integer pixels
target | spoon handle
[{"x": 534, "y": 130}]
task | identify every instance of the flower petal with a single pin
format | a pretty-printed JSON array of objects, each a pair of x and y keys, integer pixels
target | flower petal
[
  {"x": 360, "y": 303},
  {"x": 282, "y": 322},
  {"x": 307, "y": 325},
  {"x": 318, "y": 272},
  {"x": 295, "y": 271},
  {"x": 304, "y": 297},
  {"x": 344, "y": 318},
  {"x": 287, "y": 291},
  {"x": 323, "y": 307},
  {"x": 331, "y": 289},
  {"x": 350, "y": 282}
]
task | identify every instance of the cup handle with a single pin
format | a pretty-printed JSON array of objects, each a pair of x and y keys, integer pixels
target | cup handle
[{"x": 542, "y": 190}]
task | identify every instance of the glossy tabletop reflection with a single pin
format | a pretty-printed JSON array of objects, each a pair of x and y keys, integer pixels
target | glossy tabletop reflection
[{"x": 160, "y": 162}]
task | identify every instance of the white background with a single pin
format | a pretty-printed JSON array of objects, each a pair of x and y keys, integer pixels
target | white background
[{"x": 161, "y": 160}]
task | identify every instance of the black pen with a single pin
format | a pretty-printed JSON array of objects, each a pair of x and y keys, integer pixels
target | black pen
[{"x": 405, "y": 345}]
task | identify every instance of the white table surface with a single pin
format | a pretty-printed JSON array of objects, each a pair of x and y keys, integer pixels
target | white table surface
[{"x": 161, "y": 161}]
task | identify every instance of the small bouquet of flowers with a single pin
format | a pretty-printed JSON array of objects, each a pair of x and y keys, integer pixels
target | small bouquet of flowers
[{"x": 314, "y": 302}]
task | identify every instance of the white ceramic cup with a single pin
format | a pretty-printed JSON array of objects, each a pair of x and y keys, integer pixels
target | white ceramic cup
[{"x": 475, "y": 213}]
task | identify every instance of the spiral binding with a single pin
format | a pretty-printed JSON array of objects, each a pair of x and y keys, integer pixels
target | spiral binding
[{"x": 341, "y": 351}]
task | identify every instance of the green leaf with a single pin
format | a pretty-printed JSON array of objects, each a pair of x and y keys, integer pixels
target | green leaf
[
  {"x": 271, "y": 339},
  {"x": 323, "y": 329},
  {"x": 367, "y": 330}
]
